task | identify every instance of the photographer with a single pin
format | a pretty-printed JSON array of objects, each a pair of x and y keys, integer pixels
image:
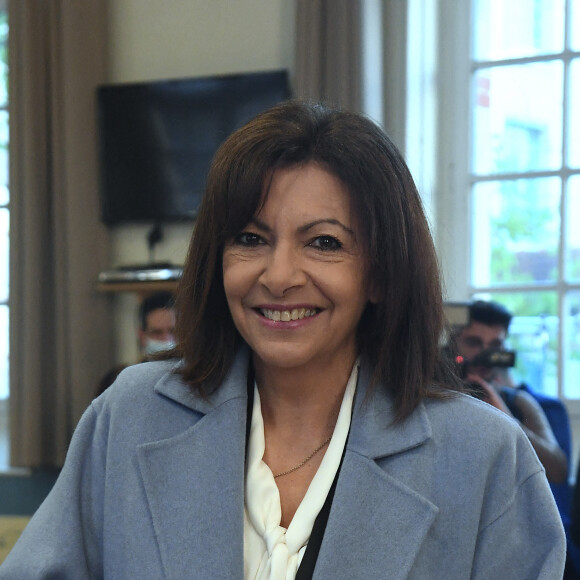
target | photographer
[{"x": 486, "y": 331}]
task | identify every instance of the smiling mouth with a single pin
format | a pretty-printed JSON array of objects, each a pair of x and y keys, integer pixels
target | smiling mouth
[{"x": 288, "y": 315}]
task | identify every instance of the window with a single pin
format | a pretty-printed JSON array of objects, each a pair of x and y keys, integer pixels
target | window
[
  {"x": 4, "y": 236},
  {"x": 509, "y": 170}
]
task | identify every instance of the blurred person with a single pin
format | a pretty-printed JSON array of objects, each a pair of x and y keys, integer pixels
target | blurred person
[
  {"x": 157, "y": 323},
  {"x": 487, "y": 329},
  {"x": 307, "y": 427}
]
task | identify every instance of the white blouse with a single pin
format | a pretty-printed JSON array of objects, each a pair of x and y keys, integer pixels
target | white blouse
[{"x": 272, "y": 552}]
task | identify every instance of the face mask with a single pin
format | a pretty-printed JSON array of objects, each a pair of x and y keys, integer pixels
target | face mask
[{"x": 153, "y": 346}]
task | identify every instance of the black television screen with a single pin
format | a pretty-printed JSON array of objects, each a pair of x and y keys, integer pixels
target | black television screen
[{"x": 157, "y": 139}]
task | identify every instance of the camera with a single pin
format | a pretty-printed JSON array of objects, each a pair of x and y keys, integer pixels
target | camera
[{"x": 490, "y": 358}]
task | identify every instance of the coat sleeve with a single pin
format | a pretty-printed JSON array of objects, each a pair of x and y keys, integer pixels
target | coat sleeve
[
  {"x": 64, "y": 537},
  {"x": 524, "y": 541}
]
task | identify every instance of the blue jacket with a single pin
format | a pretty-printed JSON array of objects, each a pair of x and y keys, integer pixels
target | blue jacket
[{"x": 153, "y": 485}]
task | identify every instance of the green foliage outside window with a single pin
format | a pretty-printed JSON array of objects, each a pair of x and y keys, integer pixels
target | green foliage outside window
[{"x": 524, "y": 234}]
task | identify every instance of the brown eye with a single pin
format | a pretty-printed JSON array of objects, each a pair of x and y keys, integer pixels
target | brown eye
[
  {"x": 248, "y": 239},
  {"x": 326, "y": 243}
]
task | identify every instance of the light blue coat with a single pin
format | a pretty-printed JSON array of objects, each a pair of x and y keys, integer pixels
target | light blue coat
[{"x": 153, "y": 489}]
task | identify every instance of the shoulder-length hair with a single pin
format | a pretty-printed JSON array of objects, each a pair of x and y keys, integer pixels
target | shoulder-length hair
[{"x": 399, "y": 334}]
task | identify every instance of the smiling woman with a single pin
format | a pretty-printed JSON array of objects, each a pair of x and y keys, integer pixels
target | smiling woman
[
  {"x": 383, "y": 237},
  {"x": 306, "y": 426},
  {"x": 301, "y": 254}
]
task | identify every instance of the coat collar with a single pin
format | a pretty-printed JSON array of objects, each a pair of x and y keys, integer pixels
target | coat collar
[
  {"x": 194, "y": 484},
  {"x": 374, "y": 431},
  {"x": 234, "y": 386}
]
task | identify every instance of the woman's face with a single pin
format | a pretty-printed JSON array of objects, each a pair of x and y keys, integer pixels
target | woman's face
[{"x": 296, "y": 277}]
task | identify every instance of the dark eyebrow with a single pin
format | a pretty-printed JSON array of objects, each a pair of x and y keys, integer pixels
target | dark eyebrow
[
  {"x": 310, "y": 225},
  {"x": 260, "y": 224}
]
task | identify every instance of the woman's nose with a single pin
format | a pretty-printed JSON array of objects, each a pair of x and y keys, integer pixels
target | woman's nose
[{"x": 283, "y": 270}]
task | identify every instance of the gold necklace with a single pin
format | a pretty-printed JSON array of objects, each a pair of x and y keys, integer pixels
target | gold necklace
[{"x": 303, "y": 463}]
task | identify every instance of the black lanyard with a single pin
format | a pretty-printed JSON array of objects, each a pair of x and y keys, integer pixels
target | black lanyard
[
  {"x": 306, "y": 568},
  {"x": 308, "y": 563}
]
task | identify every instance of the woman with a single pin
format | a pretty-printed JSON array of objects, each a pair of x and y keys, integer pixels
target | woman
[{"x": 305, "y": 429}]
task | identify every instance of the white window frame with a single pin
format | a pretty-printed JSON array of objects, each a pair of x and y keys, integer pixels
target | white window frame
[
  {"x": 452, "y": 151},
  {"x": 454, "y": 130}
]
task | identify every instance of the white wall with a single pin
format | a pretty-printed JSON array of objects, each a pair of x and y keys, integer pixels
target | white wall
[{"x": 160, "y": 39}]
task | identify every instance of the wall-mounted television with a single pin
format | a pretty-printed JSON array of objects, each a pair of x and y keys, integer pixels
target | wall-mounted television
[{"x": 157, "y": 139}]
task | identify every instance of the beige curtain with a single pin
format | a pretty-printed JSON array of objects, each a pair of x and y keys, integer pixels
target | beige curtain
[
  {"x": 328, "y": 59},
  {"x": 59, "y": 325}
]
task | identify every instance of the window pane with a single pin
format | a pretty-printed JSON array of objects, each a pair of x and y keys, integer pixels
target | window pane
[
  {"x": 4, "y": 191},
  {"x": 4, "y": 128},
  {"x": 515, "y": 28},
  {"x": 515, "y": 231},
  {"x": 4, "y": 382},
  {"x": 533, "y": 334},
  {"x": 573, "y": 231},
  {"x": 574, "y": 115},
  {"x": 575, "y": 25},
  {"x": 4, "y": 254},
  {"x": 3, "y": 80},
  {"x": 572, "y": 347},
  {"x": 518, "y": 118},
  {"x": 4, "y": 136}
]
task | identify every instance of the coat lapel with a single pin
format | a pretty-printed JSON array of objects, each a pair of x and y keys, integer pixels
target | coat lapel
[
  {"x": 376, "y": 524},
  {"x": 194, "y": 484}
]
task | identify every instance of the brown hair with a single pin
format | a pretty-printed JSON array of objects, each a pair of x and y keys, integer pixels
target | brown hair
[{"x": 399, "y": 334}]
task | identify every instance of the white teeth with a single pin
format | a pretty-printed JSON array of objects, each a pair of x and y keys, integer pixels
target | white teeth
[{"x": 287, "y": 315}]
